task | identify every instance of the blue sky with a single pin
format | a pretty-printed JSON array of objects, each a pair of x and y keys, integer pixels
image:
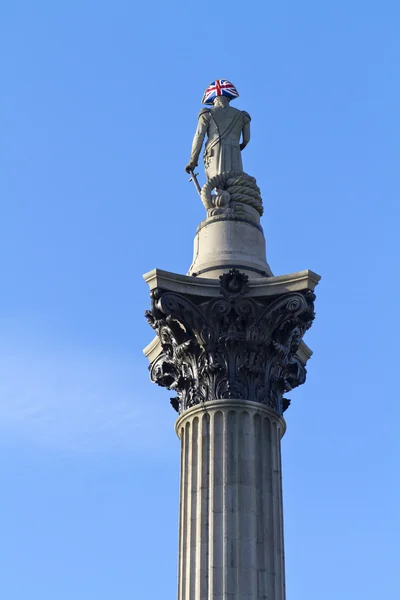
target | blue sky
[{"x": 98, "y": 108}]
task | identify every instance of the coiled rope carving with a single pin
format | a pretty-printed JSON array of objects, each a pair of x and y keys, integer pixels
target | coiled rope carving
[{"x": 236, "y": 186}]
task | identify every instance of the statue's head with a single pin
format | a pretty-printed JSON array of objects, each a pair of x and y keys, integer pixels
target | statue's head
[{"x": 219, "y": 87}]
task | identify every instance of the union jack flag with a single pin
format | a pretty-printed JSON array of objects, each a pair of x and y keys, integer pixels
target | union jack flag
[{"x": 219, "y": 87}]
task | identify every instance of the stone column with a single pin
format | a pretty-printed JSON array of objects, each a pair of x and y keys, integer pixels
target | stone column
[
  {"x": 231, "y": 523},
  {"x": 230, "y": 349}
]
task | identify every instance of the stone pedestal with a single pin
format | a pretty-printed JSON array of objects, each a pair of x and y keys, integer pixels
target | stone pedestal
[
  {"x": 231, "y": 524},
  {"x": 224, "y": 243}
]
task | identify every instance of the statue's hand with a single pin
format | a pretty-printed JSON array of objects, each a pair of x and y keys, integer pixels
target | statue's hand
[
  {"x": 242, "y": 146},
  {"x": 190, "y": 167}
]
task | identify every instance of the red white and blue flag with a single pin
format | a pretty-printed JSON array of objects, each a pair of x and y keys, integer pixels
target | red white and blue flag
[{"x": 219, "y": 87}]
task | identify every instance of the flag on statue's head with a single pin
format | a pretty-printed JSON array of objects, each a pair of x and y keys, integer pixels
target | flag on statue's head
[{"x": 219, "y": 87}]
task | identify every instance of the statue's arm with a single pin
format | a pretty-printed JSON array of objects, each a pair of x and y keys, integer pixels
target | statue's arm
[
  {"x": 202, "y": 126},
  {"x": 245, "y": 130}
]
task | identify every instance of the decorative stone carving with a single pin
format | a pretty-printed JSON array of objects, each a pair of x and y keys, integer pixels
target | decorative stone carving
[
  {"x": 234, "y": 192},
  {"x": 230, "y": 347}
]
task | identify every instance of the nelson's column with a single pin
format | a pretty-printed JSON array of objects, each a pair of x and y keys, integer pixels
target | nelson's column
[{"x": 229, "y": 345}]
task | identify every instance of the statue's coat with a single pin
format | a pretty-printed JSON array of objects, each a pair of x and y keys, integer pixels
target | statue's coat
[{"x": 224, "y": 126}]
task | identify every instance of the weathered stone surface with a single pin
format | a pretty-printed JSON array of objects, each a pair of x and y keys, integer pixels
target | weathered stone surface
[
  {"x": 231, "y": 529},
  {"x": 222, "y": 243},
  {"x": 231, "y": 345},
  {"x": 236, "y": 193}
]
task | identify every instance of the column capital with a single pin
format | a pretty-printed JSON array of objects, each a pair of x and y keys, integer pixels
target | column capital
[{"x": 241, "y": 340}]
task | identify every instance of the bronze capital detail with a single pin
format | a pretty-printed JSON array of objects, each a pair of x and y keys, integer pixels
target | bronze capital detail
[{"x": 234, "y": 346}]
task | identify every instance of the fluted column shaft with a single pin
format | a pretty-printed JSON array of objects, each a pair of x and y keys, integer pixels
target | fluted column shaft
[{"x": 231, "y": 522}]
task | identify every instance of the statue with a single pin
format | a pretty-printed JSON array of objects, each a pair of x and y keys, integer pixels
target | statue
[
  {"x": 228, "y": 133},
  {"x": 224, "y": 126}
]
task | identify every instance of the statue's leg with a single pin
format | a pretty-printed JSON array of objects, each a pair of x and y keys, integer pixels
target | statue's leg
[
  {"x": 229, "y": 156},
  {"x": 236, "y": 158},
  {"x": 211, "y": 162}
]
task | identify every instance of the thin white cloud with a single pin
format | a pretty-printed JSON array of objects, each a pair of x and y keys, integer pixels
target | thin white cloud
[{"x": 76, "y": 400}]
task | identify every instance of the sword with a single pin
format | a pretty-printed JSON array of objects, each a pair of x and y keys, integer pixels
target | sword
[{"x": 196, "y": 183}]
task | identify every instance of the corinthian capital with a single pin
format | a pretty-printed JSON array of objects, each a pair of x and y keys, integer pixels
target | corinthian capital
[{"x": 234, "y": 343}]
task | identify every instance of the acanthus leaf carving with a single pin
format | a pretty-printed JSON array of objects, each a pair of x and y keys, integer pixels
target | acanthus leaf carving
[{"x": 230, "y": 347}]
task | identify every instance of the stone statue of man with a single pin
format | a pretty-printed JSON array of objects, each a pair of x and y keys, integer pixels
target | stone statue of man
[{"x": 224, "y": 126}]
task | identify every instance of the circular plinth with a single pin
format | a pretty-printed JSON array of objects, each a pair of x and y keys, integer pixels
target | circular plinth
[{"x": 223, "y": 243}]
